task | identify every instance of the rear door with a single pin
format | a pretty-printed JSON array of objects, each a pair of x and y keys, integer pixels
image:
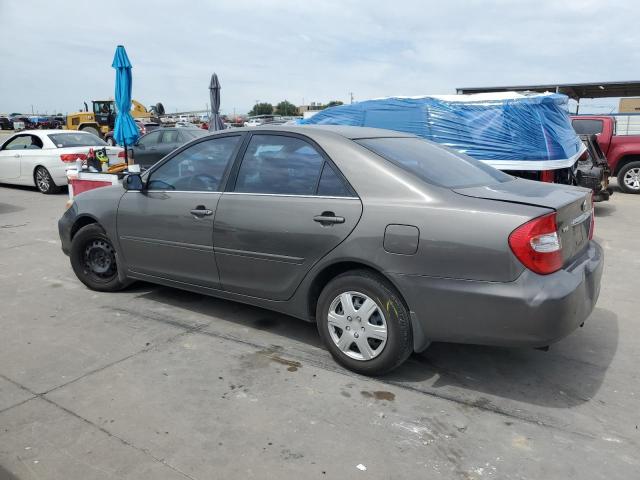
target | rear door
[{"x": 285, "y": 208}]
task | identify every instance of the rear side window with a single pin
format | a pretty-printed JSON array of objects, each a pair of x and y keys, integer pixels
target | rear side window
[
  {"x": 77, "y": 139},
  {"x": 277, "y": 164},
  {"x": 434, "y": 164},
  {"x": 331, "y": 184},
  {"x": 587, "y": 127}
]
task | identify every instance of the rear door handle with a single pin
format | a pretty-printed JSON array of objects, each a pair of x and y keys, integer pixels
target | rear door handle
[
  {"x": 328, "y": 218},
  {"x": 201, "y": 211}
]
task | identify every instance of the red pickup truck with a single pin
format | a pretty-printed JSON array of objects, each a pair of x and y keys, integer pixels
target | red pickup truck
[{"x": 619, "y": 139}]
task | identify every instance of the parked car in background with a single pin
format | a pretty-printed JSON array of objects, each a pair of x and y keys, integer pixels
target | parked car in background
[
  {"x": 5, "y": 123},
  {"x": 183, "y": 124},
  {"x": 155, "y": 145},
  {"x": 619, "y": 139},
  {"x": 41, "y": 157},
  {"x": 21, "y": 122},
  {"x": 144, "y": 127},
  {"x": 387, "y": 241}
]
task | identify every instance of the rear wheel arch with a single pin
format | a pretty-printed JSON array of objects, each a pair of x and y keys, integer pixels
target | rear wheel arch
[
  {"x": 329, "y": 272},
  {"x": 624, "y": 160}
]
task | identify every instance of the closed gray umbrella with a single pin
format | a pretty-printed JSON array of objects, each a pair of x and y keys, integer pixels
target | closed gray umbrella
[{"x": 215, "y": 122}]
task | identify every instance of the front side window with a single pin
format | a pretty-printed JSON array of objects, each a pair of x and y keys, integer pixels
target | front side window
[
  {"x": 24, "y": 142},
  {"x": 199, "y": 168},
  {"x": 276, "y": 164}
]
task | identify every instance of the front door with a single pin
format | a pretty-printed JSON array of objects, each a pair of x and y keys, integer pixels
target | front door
[
  {"x": 166, "y": 230},
  {"x": 11, "y": 153},
  {"x": 288, "y": 208}
]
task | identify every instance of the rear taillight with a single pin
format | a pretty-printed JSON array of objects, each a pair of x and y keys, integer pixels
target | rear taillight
[
  {"x": 537, "y": 244},
  {"x": 121, "y": 154},
  {"x": 72, "y": 157},
  {"x": 547, "y": 176}
]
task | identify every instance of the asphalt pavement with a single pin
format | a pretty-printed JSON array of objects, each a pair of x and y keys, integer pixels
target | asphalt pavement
[{"x": 157, "y": 383}]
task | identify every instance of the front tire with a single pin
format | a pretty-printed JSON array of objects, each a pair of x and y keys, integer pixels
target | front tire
[
  {"x": 44, "y": 182},
  {"x": 364, "y": 323},
  {"x": 94, "y": 259},
  {"x": 629, "y": 178}
]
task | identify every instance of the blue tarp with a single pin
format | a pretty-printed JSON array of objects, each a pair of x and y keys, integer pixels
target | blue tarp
[
  {"x": 508, "y": 131},
  {"x": 125, "y": 131}
]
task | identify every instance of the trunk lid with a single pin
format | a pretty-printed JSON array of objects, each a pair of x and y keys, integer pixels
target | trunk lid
[
  {"x": 572, "y": 205},
  {"x": 112, "y": 152}
]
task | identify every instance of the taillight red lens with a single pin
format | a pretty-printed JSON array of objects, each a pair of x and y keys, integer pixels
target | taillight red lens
[
  {"x": 547, "y": 176},
  {"x": 537, "y": 245},
  {"x": 121, "y": 154},
  {"x": 72, "y": 157}
]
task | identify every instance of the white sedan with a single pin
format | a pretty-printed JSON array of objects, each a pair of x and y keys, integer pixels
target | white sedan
[{"x": 41, "y": 157}]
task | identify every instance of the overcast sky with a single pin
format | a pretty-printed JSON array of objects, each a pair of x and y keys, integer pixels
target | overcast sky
[{"x": 56, "y": 54}]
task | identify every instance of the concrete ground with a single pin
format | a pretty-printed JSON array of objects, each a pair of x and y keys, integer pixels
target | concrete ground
[{"x": 155, "y": 383}]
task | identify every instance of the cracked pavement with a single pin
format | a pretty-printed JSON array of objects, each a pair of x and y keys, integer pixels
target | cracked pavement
[{"x": 158, "y": 383}]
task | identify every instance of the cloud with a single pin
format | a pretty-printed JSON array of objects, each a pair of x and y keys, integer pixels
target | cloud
[{"x": 55, "y": 55}]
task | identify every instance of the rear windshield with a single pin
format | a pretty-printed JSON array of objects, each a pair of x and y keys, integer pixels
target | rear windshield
[
  {"x": 76, "y": 139},
  {"x": 194, "y": 132},
  {"x": 587, "y": 127},
  {"x": 434, "y": 164}
]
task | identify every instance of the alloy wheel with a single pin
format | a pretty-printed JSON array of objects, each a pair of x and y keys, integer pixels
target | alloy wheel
[
  {"x": 357, "y": 325},
  {"x": 632, "y": 178},
  {"x": 43, "y": 180}
]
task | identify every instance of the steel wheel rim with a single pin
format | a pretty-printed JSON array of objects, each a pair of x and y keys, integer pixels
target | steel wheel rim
[
  {"x": 100, "y": 260},
  {"x": 42, "y": 179},
  {"x": 632, "y": 178},
  {"x": 357, "y": 326}
]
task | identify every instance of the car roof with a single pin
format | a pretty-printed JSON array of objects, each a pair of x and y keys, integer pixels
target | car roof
[{"x": 346, "y": 131}]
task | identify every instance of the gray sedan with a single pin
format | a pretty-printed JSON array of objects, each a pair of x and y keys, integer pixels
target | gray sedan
[{"x": 387, "y": 241}]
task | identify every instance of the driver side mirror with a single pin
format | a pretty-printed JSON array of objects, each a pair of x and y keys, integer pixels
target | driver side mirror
[{"x": 133, "y": 181}]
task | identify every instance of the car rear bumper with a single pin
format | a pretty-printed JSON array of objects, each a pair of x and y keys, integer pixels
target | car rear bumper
[{"x": 532, "y": 311}]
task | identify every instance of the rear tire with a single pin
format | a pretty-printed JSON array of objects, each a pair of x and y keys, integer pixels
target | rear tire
[
  {"x": 629, "y": 178},
  {"x": 94, "y": 259},
  {"x": 367, "y": 343},
  {"x": 44, "y": 182},
  {"x": 92, "y": 130}
]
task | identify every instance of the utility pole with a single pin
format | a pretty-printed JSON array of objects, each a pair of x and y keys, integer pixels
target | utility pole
[{"x": 351, "y": 95}]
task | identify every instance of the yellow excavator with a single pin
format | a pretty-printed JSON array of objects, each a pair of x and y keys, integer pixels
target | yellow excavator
[{"x": 102, "y": 119}]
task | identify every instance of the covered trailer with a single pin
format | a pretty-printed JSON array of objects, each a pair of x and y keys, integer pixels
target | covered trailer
[{"x": 529, "y": 135}]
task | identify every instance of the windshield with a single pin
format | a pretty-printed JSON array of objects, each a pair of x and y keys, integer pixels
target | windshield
[
  {"x": 76, "y": 139},
  {"x": 434, "y": 164}
]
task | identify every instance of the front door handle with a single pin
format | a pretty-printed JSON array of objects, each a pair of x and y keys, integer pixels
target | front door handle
[
  {"x": 328, "y": 218},
  {"x": 201, "y": 211}
]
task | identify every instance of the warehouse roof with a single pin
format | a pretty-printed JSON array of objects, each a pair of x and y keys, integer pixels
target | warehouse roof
[{"x": 572, "y": 90}]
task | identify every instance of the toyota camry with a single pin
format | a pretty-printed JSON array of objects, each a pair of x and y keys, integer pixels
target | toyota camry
[{"x": 388, "y": 242}]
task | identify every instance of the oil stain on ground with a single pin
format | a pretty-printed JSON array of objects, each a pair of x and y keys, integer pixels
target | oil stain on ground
[
  {"x": 379, "y": 395},
  {"x": 272, "y": 354}
]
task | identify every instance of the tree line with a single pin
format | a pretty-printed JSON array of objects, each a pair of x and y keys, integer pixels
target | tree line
[{"x": 284, "y": 108}]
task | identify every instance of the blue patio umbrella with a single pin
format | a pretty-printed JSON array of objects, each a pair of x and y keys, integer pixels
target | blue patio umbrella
[{"x": 126, "y": 131}]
